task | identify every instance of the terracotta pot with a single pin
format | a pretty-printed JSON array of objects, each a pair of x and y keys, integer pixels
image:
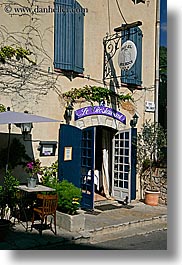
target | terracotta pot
[{"x": 152, "y": 197}]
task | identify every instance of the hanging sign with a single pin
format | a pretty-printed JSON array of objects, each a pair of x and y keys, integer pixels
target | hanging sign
[
  {"x": 130, "y": 56},
  {"x": 99, "y": 110},
  {"x": 127, "y": 55}
]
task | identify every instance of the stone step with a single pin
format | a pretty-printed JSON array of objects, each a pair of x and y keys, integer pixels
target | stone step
[
  {"x": 132, "y": 231},
  {"x": 131, "y": 224}
]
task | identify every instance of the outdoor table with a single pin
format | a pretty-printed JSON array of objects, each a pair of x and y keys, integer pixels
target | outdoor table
[{"x": 24, "y": 192}]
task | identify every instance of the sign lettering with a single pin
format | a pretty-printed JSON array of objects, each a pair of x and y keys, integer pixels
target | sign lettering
[{"x": 99, "y": 110}]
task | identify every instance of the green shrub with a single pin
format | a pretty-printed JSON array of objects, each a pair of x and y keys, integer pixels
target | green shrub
[
  {"x": 8, "y": 193},
  {"x": 69, "y": 197},
  {"x": 2, "y": 108},
  {"x": 49, "y": 175}
]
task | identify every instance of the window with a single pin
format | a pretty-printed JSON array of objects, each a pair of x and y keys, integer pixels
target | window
[{"x": 68, "y": 35}]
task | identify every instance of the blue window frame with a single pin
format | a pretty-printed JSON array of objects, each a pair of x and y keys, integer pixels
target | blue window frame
[{"x": 68, "y": 35}]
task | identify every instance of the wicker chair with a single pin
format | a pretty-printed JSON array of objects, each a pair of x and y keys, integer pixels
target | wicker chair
[{"x": 47, "y": 205}]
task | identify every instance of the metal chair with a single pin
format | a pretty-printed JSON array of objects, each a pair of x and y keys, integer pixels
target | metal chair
[{"x": 47, "y": 207}]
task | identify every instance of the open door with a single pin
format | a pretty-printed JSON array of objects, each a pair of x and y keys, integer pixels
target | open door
[
  {"x": 69, "y": 154},
  {"x": 124, "y": 165},
  {"x": 87, "y": 167},
  {"x": 76, "y": 160}
]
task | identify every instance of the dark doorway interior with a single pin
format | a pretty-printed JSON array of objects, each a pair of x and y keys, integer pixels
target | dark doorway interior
[
  {"x": 103, "y": 143},
  {"x": 98, "y": 149}
]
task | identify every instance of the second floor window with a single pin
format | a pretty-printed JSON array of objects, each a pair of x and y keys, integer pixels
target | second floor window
[{"x": 68, "y": 35}]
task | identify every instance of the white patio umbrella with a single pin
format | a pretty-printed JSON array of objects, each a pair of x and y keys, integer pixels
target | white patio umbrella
[{"x": 11, "y": 117}]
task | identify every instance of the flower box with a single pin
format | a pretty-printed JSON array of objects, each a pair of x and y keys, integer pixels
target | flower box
[{"x": 72, "y": 223}]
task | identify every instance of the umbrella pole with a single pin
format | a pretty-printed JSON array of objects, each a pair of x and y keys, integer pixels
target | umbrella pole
[{"x": 9, "y": 129}]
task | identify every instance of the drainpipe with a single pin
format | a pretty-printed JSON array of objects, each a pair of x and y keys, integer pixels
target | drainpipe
[{"x": 157, "y": 44}]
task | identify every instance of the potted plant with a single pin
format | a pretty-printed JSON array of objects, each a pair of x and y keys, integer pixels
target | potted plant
[
  {"x": 33, "y": 168},
  {"x": 8, "y": 201},
  {"x": 151, "y": 142},
  {"x": 69, "y": 196}
]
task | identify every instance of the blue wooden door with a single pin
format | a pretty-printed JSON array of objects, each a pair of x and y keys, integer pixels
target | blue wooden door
[
  {"x": 76, "y": 160},
  {"x": 69, "y": 154},
  {"x": 87, "y": 167}
]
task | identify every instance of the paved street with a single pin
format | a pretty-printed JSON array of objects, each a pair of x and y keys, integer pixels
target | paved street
[
  {"x": 120, "y": 222},
  {"x": 156, "y": 240}
]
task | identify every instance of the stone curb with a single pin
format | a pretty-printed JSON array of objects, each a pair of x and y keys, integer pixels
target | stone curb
[{"x": 85, "y": 236}]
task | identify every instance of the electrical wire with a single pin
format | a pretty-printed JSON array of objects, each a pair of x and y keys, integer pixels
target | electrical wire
[{"x": 121, "y": 12}]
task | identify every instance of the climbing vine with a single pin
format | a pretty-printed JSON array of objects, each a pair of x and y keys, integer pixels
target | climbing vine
[
  {"x": 2, "y": 108},
  {"x": 8, "y": 52},
  {"x": 24, "y": 65},
  {"x": 94, "y": 94}
]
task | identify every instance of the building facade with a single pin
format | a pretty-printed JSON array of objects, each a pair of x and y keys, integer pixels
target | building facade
[{"x": 74, "y": 44}]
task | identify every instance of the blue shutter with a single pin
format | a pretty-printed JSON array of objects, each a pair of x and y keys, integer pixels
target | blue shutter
[
  {"x": 68, "y": 36},
  {"x": 79, "y": 29},
  {"x": 133, "y": 76}
]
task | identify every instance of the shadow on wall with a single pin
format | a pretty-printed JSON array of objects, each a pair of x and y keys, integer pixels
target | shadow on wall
[{"x": 20, "y": 151}]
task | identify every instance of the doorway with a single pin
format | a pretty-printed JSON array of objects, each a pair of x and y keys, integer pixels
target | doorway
[
  {"x": 103, "y": 163},
  {"x": 115, "y": 164},
  {"x": 99, "y": 160}
]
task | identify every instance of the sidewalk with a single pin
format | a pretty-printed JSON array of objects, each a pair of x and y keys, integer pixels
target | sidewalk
[{"x": 100, "y": 225}]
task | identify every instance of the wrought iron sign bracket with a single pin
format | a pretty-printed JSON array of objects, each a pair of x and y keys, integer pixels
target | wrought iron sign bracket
[{"x": 111, "y": 45}]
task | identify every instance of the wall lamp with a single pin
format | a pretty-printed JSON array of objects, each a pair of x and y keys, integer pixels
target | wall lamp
[
  {"x": 134, "y": 121},
  {"x": 68, "y": 113},
  {"x": 26, "y": 129}
]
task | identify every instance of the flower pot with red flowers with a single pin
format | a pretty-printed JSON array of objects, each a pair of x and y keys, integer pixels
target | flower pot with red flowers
[{"x": 33, "y": 168}]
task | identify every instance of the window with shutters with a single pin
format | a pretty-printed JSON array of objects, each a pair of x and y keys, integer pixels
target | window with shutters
[{"x": 68, "y": 35}]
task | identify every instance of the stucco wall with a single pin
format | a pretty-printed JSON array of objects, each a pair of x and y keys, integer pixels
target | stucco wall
[{"x": 98, "y": 22}]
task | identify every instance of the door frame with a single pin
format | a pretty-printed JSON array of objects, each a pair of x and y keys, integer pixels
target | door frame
[
  {"x": 87, "y": 180},
  {"x": 130, "y": 192}
]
